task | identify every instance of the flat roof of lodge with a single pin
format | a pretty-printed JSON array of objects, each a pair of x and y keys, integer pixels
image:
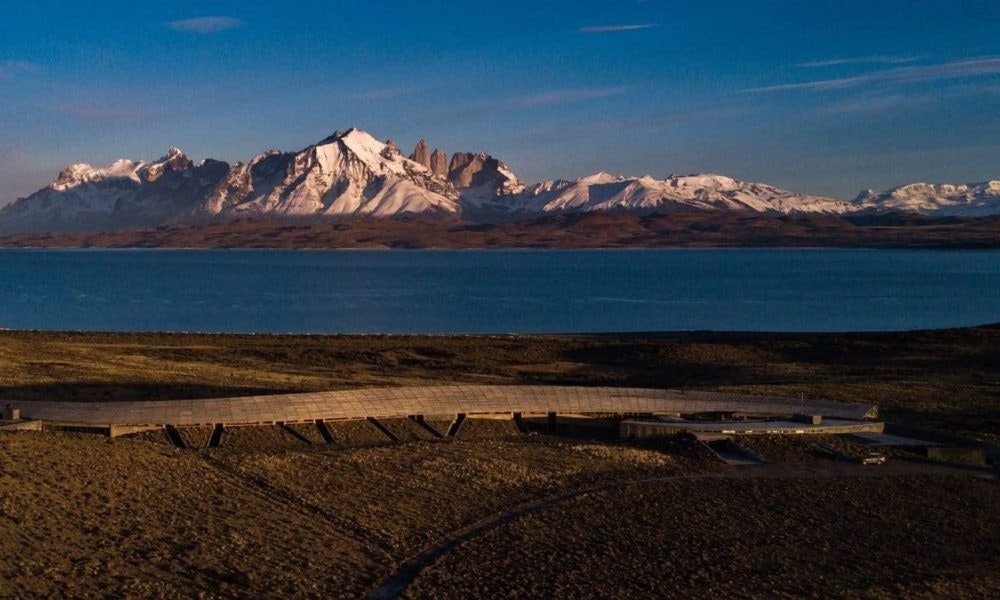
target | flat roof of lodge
[{"x": 386, "y": 402}]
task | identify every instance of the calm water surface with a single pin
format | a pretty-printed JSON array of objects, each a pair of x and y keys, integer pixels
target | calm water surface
[{"x": 496, "y": 291}]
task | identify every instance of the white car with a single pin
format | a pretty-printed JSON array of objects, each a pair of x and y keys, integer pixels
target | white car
[{"x": 873, "y": 458}]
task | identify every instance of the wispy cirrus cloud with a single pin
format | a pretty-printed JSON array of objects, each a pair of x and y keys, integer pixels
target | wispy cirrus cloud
[
  {"x": 9, "y": 68},
  {"x": 387, "y": 93},
  {"x": 975, "y": 67},
  {"x": 617, "y": 28},
  {"x": 877, "y": 104},
  {"x": 552, "y": 97},
  {"x": 881, "y": 102},
  {"x": 104, "y": 113},
  {"x": 859, "y": 60},
  {"x": 205, "y": 25}
]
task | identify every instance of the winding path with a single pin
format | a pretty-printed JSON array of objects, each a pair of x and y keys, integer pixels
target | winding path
[
  {"x": 407, "y": 572},
  {"x": 394, "y": 586}
]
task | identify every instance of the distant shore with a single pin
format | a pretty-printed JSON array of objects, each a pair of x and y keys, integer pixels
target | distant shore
[
  {"x": 583, "y": 231},
  {"x": 703, "y": 335}
]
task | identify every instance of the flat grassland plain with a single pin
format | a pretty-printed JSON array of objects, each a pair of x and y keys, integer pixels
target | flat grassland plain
[{"x": 271, "y": 515}]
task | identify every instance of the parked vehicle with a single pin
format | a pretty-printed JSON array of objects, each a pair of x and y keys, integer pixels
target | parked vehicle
[{"x": 873, "y": 458}]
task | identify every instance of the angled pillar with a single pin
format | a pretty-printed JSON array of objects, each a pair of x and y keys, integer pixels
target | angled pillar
[
  {"x": 519, "y": 422},
  {"x": 385, "y": 430},
  {"x": 420, "y": 420},
  {"x": 456, "y": 425},
  {"x": 324, "y": 430},
  {"x": 175, "y": 437},
  {"x": 215, "y": 440}
]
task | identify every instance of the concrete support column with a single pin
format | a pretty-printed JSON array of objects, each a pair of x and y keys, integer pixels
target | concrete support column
[
  {"x": 519, "y": 422},
  {"x": 215, "y": 440}
]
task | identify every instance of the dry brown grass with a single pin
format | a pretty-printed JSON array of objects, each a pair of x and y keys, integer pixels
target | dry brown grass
[
  {"x": 411, "y": 494},
  {"x": 266, "y": 514},
  {"x": 943, "y": 378},
  {"x": 85, "y": 517},
  {"x": 871, "y": 537},
  {"x": 790, "y": 449}
]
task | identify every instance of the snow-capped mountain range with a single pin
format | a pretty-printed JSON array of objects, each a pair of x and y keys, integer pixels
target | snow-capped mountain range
[
  {"x": 940, "y": 200},
  {"x": 353, "y": 174}
]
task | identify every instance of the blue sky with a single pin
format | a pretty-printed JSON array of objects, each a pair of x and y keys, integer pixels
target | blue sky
[{"x": 821, "y": 96}]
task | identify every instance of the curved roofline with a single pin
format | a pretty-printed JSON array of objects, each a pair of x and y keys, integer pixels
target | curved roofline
[{"x": 388, "y": 402}]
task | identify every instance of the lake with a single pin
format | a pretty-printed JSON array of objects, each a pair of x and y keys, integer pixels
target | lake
[{"x": 482, "y": 291}]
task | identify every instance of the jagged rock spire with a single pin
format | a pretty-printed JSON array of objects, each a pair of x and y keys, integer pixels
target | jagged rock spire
[
  {"x": 472, "y": 170},
  {"x": 439, "y": 163},
  {"x": 422, "y": 154}
]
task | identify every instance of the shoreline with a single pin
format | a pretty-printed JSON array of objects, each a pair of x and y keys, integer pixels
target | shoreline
[
  {"x": 687, "y": 334},
  {"x": 573, "y": 231},
  {"x": 568, "y": 249}
]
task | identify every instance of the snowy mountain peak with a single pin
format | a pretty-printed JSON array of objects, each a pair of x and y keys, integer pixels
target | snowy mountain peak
[
  {"x": 704, "y": 180},
  {"x": 82, "y": 173},
  {"x": 175, "y": 161},
  {"x": 361, "y": 137},
  {"x": 863, "y": 194},
  {"x": 264, "y": 155},
  {"x": 699, "y": 192},
  {"x": 599, "y": 178},
  {"x": 337, "y": 135},
  {"x": 348, "y": 174},
  {"x": 353, "y": 174},
  {"x": 939, "y": 199}
]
